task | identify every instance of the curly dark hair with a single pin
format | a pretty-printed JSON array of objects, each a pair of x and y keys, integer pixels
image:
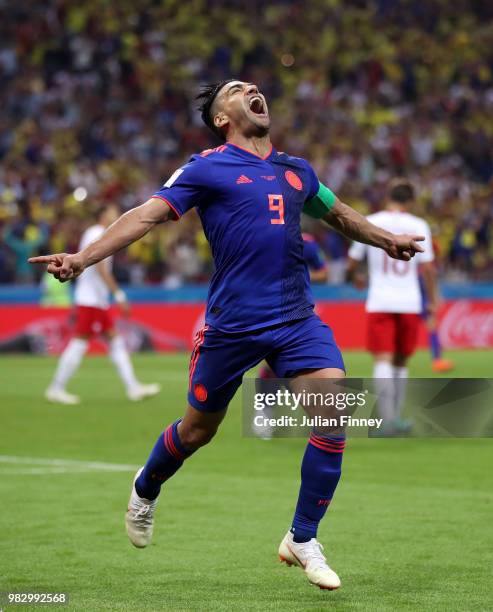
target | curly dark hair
[{"x": 207, "y": 95}]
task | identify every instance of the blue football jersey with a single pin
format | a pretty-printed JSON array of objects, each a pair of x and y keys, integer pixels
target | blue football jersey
[{"x": 250, "y": 210}]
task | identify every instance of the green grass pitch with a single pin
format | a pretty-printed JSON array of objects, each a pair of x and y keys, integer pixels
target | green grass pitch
[{"x": 410, "y": 527}]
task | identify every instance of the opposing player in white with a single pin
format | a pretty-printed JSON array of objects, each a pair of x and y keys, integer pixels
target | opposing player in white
[
  {"x": 394, "y": 301},
  {"x": 93, "y": 317}
]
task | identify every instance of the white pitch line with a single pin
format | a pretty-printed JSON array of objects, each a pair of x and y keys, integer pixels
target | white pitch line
[
  {"x": 59, "y": 466},
  {"x": 39, "y": 471}
]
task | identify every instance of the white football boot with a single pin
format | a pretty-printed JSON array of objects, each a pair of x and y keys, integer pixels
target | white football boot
[
  {"x": 143, "y": 391},
  {"x": 309, "y": 556},
  {"x": 139, "y": 519},
  {"x": 60, "y": 396}
]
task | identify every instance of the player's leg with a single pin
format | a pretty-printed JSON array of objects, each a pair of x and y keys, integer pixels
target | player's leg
[
  {"x": 383, "y": 374},
  {"x": 121, "y": 359},
  {"x": 67, "y": 365},
  {"x": 406, "y": 343},
  {"x": 217, "y": 365},
  {"x": 311, "y": 354},
  {"x": 401, "y": 375},
  {"x": 433, "y": 340},
  {"x": 439, "y": 363},
  {"x": 178, "y": 441},
  {"x": 120, "y": 356},
  {"x": 182, "y": 438},
  {"x": 381, "y": 342},
  {"x": 321, "y": 466},
  {"x": 71, "y": 358}
]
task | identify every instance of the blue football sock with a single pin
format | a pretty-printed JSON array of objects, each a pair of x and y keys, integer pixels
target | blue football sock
[
  {"x": 436, "y": 349},
  {"x": 320, "y": 473},
  {"x": 165, "y": 459}
]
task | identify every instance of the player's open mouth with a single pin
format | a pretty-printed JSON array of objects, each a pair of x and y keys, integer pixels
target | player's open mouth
[{"x": 257, "y": 106}]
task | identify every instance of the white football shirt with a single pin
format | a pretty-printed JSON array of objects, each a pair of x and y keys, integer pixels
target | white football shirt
[
  {"x": 394, "y": 284},
  {"x": 90, "y": 289}
]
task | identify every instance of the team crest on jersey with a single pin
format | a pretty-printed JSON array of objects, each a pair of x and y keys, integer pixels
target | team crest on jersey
[
  {"x": 200, "y": 392},
  {"x": 293, "y": 179}
]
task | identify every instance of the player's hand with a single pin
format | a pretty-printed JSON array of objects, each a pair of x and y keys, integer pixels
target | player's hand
[
  {"x": 64, "y": 267},
  {"x": 405, "y": 246}
]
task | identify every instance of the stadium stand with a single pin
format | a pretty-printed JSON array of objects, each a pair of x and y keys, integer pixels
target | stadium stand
[{"x": 97, "y": 106}]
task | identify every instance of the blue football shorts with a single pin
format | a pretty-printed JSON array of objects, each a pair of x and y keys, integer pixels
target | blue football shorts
[{"x": 219, "y": 360}]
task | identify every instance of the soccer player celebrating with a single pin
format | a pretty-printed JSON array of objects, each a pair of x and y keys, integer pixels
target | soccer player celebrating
[
  {"x": 249, "y": 197},
  {"x": 93, "y": 317},
  {"x": 394, "y": 301}
]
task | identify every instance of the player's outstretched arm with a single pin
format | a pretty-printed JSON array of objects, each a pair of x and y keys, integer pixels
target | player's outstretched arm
[
  {"x": 127, "y": 229},
  {"x": 355, "y": 226}
]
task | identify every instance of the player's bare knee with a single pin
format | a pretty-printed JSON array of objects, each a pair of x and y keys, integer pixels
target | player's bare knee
[
  {"x": 198, "y": 428},
  {"x": 194, "y": 437}
]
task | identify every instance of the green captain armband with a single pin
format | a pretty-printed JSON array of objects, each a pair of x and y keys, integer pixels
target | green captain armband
[{"x": 321, "y": 203}]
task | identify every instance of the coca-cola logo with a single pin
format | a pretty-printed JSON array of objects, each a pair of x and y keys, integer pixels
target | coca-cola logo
[{"x": 467, "y": 323}]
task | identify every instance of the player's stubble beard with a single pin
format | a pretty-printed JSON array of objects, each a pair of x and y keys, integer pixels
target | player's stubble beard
[{"x": 253, "y": 128}]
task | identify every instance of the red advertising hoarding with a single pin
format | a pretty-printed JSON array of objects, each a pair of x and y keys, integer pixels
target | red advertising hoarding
[{"x": 171, "y": 327}]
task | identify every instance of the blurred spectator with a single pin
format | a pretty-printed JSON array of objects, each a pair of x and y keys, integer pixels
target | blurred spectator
[
  {"x": 24, "y": 237},
  {"x": 97, "y": 106}
]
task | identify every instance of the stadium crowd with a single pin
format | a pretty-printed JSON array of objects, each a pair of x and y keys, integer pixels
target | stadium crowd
[{"x": 98, "y": 106}]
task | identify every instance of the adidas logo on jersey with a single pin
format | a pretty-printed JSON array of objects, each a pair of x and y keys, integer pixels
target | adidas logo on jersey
[{"x": 243, "y": 179}]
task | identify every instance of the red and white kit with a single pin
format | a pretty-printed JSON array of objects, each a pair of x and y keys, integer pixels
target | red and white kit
[
  {"x": 92, "y": 296},
  {"x": 394, "y": 298}
]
